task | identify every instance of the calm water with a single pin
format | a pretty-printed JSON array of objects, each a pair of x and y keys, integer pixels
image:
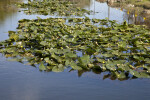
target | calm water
[{"x": 23, "y": 82}]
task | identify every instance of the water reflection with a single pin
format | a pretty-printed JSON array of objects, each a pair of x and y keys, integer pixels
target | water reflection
[
  {"x": 22, "y": 82},
  {"x": 8, "y": 16},
  {"x": 104, "y": 75},
  {"x": 132, "y": 14},
  {"x": 108, "y": 12},
  {"x": 7, "y": 8},
  {"x": 135, "y": 17}
]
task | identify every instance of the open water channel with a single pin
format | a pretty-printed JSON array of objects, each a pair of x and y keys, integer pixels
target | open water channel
[{"x": 24, "y": 82}]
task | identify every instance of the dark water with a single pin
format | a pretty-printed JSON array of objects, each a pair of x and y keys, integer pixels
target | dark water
[{"x": 23, "y": 82}]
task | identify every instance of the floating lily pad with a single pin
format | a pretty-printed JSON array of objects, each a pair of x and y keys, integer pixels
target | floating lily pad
[
  {"x": 115, "y": 49},
  {"x": 53, "y": 7}
]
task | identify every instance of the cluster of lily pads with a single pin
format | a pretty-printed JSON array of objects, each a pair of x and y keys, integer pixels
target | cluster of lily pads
[
  {"x": 53, "y": 7},
  {"x": 81, "y": 43}
]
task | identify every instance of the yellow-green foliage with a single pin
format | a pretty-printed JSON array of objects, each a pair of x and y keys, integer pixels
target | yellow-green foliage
[{"x": 141, "y": 3}]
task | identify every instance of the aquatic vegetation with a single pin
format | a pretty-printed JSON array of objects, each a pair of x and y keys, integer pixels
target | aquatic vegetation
[
  {"x": 83, "y": 44},
  {"x": 53, "y": 7},
  {"x": 137, "y": 11},
  {"x": 54, "y": 44}
]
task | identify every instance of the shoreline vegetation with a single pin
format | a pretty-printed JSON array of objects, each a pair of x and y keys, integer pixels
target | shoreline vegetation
[
  {"x": 136, "y": 3},
  {"x": 121, "y": 51},
  {"x": 135, "y": 9}
]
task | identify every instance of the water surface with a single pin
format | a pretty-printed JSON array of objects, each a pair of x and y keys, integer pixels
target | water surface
[{"x": 23, "y": 82}]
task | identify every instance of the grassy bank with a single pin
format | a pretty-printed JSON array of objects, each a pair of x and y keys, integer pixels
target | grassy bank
[{"x": 140, "y": 3}]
